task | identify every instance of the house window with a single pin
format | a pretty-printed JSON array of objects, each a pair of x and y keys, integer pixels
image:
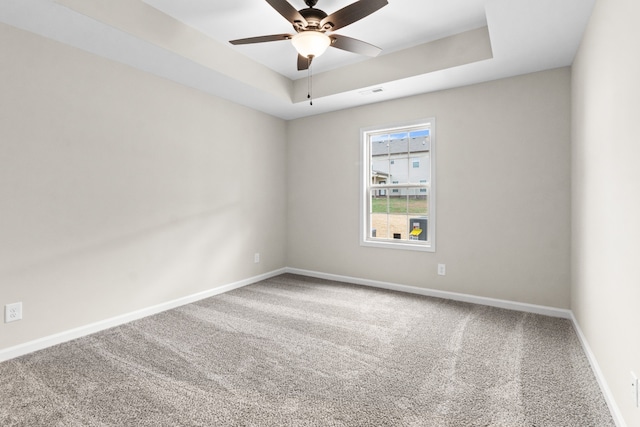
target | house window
[{"x": 403, "y": 217}]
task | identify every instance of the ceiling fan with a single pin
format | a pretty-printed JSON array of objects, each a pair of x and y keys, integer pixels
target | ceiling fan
[{"x": 312, "y": 25}]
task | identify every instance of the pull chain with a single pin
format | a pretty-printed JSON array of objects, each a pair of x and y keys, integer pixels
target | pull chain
[{"x": 309, "y": 80}]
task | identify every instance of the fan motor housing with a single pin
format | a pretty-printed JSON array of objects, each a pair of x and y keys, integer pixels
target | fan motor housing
[{"x": 313, "y": 17}]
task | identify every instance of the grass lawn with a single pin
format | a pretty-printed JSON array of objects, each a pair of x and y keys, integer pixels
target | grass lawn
[{"x": 404, "y": 205}]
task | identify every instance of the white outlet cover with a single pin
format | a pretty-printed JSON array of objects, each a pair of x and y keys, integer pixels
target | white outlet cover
[
  {"x": 442, "y": 269},
  {"x": 12, "y": 312}
]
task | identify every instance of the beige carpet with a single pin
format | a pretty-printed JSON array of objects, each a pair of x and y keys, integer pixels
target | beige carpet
[{"x": 295, "y": 351}]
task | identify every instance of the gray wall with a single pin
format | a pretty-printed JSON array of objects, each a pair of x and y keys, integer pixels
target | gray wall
[
  {"x": 114, "y": 188},
  {"x": 503, "y": 195},
  {"x": 606, "y": 194}
]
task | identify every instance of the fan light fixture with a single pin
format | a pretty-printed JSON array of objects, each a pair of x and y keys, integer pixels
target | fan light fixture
[
  {"x": 311, "y": 44},
  {"x": 310, "y": 24}
]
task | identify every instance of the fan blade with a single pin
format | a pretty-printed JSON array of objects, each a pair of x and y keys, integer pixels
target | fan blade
[
  {"x": 354, "y": 45},
  {"x": 352, "y": 13},
  {"x": 304, "y": 63},
  {"x": 262, "y": 39},
  {"x": 284, "y": 8}
]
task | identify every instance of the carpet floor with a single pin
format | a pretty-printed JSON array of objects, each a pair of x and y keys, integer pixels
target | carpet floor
[{"x": 297, "y": 351}]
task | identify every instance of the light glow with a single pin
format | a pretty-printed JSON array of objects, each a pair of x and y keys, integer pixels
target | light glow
[{"x": 311, "y": 43}]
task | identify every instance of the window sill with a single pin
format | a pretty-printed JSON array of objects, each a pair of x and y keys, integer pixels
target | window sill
[{"x": 391, "y": 244}]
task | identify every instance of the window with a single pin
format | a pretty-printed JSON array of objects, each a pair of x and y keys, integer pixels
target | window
[{"x": 403, "y": 217}]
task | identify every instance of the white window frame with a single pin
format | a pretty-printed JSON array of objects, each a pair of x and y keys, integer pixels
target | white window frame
[{"x": 366, "y": 187}]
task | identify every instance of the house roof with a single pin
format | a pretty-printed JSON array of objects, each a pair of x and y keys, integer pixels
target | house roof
[{"x": 399, "y": 146}]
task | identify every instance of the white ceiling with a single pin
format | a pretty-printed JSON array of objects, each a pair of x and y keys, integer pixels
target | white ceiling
[
  {"x": 398, "y": 25},
  {"x": 187, "y": 41}
]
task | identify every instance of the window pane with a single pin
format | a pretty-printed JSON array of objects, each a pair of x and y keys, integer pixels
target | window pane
[
  {"x": 399, "y": 143},
  {"x": 420, "y": 141},
  {"x": 418, "y": 203},
  {"x": 391, "y": 226},
  {"x": 380, "y": 161},
  {"x": 420, "y": 168},
  {"x": 418, "y": 228},
  {"x": 398, "y": 203},
  {"x": 379, "y": 202}
]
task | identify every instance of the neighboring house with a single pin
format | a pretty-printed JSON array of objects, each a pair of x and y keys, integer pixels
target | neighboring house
[
  {"x": 379, "y": 177},
  {"x": 400, "y": 160}
]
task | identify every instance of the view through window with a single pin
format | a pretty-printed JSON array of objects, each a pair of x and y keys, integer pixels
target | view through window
[{"x": 398, "y": 186}]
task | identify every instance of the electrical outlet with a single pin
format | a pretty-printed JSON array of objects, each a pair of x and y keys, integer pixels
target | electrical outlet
[
  {"x": 634, "y": 389},
  {"x": 12, "y": 312},
  {"x": 442, "y": 269},
  {"x": 256, "y": 257}
]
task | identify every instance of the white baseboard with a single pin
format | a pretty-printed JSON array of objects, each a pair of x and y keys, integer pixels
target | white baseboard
[
  {"x": 604, "y": 387},
  {"x": 492, "y": 302},
  {"x": 51, "y": 340}
]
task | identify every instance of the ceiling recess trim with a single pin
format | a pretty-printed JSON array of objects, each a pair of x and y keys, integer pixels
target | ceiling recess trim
[{"x": 449, "y": 52}]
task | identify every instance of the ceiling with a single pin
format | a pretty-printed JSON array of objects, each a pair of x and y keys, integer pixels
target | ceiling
[
  {"x": 399, "y": 25},
  {"x": 427, "y": 45}
]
